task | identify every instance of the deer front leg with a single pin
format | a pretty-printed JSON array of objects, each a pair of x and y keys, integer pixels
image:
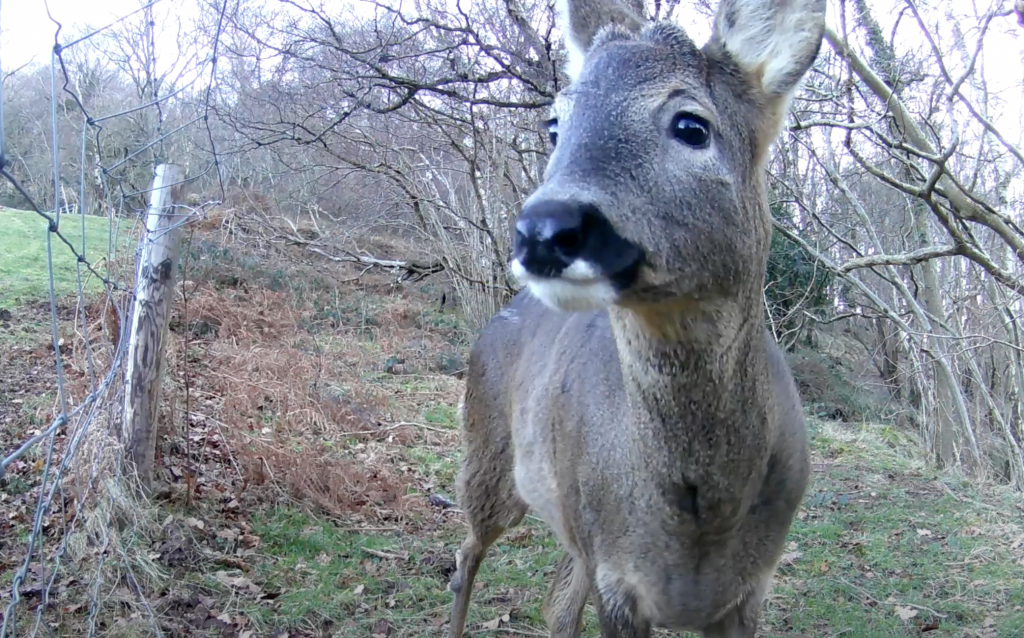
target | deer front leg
[
  {"x": 732, "y": 625},
  {"x": 485, "y": 528},
  {"x": 619, "y": 619},
  {"x": 741, "y": 621},
  {"x": 563, "y": 607}
]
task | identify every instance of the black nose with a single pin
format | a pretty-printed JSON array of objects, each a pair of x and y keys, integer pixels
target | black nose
[{"x": 551, "y": 234}]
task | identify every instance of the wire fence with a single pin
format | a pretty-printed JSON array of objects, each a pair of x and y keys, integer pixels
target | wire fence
[{"x": 77, "y": 477}]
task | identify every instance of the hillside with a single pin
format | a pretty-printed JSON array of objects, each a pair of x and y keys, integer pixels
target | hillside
[
  {"x": 308, "y": 468},
  {"x": 23, "y": 254}
]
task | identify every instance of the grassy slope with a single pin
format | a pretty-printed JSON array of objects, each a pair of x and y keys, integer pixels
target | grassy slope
[
  {"x": 23, "y": 262},
  {"x": 882, "y": 547}
]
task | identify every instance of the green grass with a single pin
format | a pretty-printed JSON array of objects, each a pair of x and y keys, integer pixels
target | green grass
[
  {"x": 23, "y": 260},
  {"x": 348, "y": 582},
  {"x": 880, "y": 536},
  {"x": 882, "y": 547},
  {"x": 443, "y": 415}
]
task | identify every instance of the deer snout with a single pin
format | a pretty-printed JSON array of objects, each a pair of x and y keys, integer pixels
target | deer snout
[
  {"x": 552, "y": 235},
  {"x": 571, "y": 257},
  {"x": 573, "y": 241}
]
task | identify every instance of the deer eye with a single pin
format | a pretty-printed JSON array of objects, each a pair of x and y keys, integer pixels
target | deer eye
[
  {"x": 552, "y": 127},
  {"x": 691, "y": 130}
]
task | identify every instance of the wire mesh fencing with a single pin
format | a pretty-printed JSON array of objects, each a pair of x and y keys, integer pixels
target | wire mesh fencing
[{"x": 67, "y": 493}]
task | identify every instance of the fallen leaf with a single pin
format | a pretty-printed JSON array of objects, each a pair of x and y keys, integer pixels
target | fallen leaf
[
  {"x": 823, "y": 568},
  {"x": 358, "y": 590},
  {"x": 195, "y": 522},
  {"x": 789, "y": 558},
  {"x": 381, "y": 629},
  {"x": 492, "y": 624},
  {"x": 237, "y": 582},
  {"x": 905, "y": 613},
  {"x": 231, "y": 561},
  {"x": 249, "y": 541},
  {"x": 924, "y": 532}
]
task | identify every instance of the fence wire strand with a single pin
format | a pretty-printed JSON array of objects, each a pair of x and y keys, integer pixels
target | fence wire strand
[{"x": 78, "y": 433}]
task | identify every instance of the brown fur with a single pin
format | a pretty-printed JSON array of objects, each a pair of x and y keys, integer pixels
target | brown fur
[{"x": 656, "y": 428}]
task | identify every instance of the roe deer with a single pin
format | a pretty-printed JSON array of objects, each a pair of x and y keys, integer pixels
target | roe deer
[{"x": 631, "y": 395}]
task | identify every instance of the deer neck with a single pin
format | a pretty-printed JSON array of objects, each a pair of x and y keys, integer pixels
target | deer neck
[
  {"x": 697, "y": 390},
  {"x": 686, "y": 367}
]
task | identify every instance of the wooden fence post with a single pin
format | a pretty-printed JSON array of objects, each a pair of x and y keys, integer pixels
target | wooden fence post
[{"x": 154, "y": 292}]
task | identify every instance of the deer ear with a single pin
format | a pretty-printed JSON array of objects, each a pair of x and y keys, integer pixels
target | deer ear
[
  {"x": 773, "y": 40},
  {"x": 581, "y": 20}
]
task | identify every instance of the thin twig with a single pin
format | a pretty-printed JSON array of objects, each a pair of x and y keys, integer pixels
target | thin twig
[
  {"x": 894, "y": 604},
  {"x": 384, "y": 555},
  {"x": 403, "y": 424}
]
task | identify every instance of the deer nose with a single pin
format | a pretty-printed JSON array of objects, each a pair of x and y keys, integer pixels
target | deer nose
[{"x": 552, "y": 234}]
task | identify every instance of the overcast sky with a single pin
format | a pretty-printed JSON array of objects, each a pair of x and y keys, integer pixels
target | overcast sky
[{"x": 27, "y": 34}]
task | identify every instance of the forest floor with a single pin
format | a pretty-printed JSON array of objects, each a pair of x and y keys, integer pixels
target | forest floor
[{"x": 308, "y": 450}]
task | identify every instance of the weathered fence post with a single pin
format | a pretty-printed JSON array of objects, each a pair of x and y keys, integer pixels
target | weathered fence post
[{"x": 154, "y": 291}]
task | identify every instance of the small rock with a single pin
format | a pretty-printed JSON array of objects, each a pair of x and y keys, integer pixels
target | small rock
[{"x": 438, "y": 500}]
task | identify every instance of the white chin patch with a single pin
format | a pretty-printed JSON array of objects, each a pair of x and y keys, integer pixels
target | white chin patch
[
  {"x": 579, "y": 289},
  {"x": 581, "y": 271}
]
